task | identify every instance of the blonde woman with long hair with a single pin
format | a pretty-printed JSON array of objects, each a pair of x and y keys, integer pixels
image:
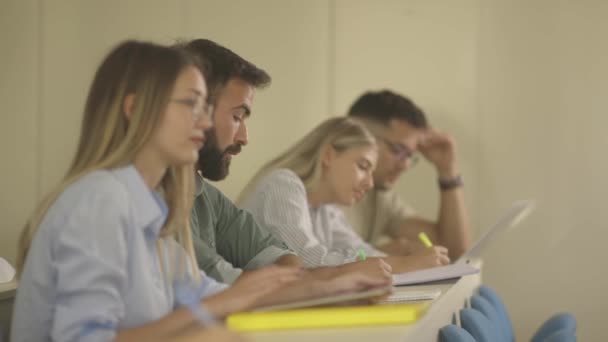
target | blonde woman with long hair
[
  {"x": 108, "y": 256},
  {"x": 299, "y": 195}
]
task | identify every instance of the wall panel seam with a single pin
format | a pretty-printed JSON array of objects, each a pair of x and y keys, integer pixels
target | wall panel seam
[
  {"x": 331, "y": 57},
  {"x": 39, "y": 108}
]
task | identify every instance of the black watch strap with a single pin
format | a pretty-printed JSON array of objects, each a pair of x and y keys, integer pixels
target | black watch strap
[{"x": 449, "y": 184}]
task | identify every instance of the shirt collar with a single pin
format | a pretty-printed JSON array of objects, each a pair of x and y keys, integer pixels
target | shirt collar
[{"x": 149, "y": 208}]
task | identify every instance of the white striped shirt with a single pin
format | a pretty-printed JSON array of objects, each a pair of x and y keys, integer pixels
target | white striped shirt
[{"x": 320, "y": 236}]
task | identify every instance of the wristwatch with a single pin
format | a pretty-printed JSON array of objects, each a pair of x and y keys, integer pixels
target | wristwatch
[{"x": 449, "y": 184}]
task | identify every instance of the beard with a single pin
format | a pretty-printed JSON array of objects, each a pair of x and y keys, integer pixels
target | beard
[{"x": 212, "y": 161}]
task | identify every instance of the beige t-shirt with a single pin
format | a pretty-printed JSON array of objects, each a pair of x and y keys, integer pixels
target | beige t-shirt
[{"x": 378, "y": 215}]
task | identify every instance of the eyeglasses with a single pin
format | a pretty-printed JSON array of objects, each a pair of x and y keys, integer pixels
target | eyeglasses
[
  {"x": 401, "y": 152},
  {"x": 197, "y": 107}
]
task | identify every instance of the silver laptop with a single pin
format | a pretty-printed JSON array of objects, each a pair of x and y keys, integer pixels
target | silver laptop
[{"x": 518, "y": 211}]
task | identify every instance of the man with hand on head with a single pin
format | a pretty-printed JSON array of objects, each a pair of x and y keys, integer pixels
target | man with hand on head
[{"x": 402, "y": 132}]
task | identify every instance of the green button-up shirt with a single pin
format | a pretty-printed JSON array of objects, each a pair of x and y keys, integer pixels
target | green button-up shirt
[{"x": 228, "y": 239}]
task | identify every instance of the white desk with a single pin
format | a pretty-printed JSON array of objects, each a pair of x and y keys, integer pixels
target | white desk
[
  {"x": 454, "y": 295},
  {"x": 7, "y": 290}
]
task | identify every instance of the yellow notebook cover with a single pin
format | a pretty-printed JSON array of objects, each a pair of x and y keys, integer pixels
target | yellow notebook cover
[{"x": 388, "y": 314}]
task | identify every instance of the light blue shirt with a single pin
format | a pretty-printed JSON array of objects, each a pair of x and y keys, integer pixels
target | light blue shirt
[{"x": 93, "y": 267}]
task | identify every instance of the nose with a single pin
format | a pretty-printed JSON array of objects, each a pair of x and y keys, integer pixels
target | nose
[
  {"x": 241, "y": 135},
  {"x": 204, "y": 122}
]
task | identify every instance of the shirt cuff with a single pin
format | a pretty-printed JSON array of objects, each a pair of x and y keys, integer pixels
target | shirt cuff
[
  {"x": 210, "y": 286},
  {"x": 267, "y": 257},
  {"x": 189, "y": 294},
  {"x": 225, "y": 272}
]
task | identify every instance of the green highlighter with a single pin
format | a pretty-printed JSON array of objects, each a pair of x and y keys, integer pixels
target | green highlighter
[{"x": 362, "y": 255}]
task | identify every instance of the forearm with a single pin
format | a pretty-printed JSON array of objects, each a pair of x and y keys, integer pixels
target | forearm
[
  {"x": 328, "y": 272},
  {"x": 224, "y": 303},
  {"x": 250, "y": 289},
  {"x": 453, "y": 229},
  {"x": 322, "y": 272},
  {"x": 306, "y": 288},
  {"x": 400, "y": 264},
  {"x": 310, "y": 285},
  {"x": 325, "y": 281}
]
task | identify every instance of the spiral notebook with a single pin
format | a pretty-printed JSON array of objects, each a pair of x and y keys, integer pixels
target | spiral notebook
[{"x": 400, "y": 295}]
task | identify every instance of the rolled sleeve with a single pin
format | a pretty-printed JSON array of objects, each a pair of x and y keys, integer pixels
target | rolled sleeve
[
  {"x": 267, "y": 256},
  {"x": 239, "y": 239},
  {"x": 223, "y": 271},
  {"x": 90, "y": 257},
  {"x": 210, "y": 261},
  {"x": 210, "y": 286}
]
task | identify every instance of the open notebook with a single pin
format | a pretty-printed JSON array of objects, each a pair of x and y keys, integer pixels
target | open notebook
[{"x": 516, "y": 213}]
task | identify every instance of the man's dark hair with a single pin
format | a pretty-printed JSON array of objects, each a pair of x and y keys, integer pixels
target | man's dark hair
[
  {"x": 385, "y": 105},
  {"x": 220, "y": 64}
]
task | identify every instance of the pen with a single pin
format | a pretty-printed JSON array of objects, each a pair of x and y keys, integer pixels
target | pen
[
  {"x": 425, "y": 239},
  {"x": 362, "y": 255}
]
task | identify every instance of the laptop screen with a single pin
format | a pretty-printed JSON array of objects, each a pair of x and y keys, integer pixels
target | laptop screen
[{"x": 518, "y": 211}]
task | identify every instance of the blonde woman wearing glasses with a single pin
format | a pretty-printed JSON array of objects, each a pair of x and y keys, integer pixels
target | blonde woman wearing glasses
[{"x": 107, "y": 255}]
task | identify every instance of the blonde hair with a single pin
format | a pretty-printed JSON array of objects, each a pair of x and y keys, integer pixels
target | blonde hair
[
  {"x": 304, "y": 157},
  {"x": 109, "y": 140}
]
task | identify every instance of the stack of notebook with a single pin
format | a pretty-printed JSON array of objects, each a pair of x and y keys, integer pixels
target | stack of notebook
[{"x": 388, "y": 314}]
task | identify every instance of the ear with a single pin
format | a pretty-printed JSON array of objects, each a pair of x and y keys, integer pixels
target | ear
[
  {"x": 329, "y": 154},
  {"x": 127, "y": 106}
]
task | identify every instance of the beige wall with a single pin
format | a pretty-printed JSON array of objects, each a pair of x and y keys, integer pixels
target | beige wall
[
  {"x": 19, "y": 120},
  {"x": 520, "y": 84},
  {"x": 377, "y": 45},
  {"x": 543, "y": 78}
]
